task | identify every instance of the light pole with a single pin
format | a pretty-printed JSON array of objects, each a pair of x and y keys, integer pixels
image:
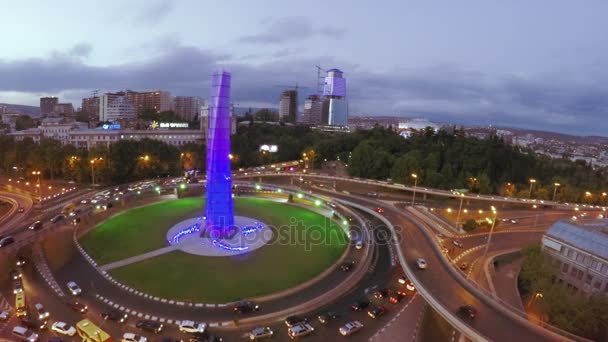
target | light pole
[
  {"x": 93, "y": 162},
  {"x": 37, "y": 173},
  {"x": 415, "y": 176},
  {"x": 532, "y": 181},
  {"x": 555, "y": 185},
  {"x": 491, "y": 231},
  {"x": 459, "y": 209}
]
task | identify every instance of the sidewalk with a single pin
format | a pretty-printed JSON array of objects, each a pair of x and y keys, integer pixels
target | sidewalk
[{"x": 505, "y": 282}]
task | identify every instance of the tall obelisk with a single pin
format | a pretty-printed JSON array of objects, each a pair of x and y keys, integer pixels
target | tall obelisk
[{"x": 219, "y": 210}]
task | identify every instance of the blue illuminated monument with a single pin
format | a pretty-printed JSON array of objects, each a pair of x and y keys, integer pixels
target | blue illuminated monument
[{"x": 219, "y": 210}]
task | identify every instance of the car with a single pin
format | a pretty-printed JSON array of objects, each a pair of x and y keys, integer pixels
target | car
[
  {"x": 192, "y": 327},
  {"x": 396, "y": 297},
  {"x": 131, "y": 337},
  {"x": 20, "y": 209},
  {"x": 513, "y": 221},
  {"x": 78, "y": 306},
  {"x": 24, "y": 334},
  {"x": 381, "y": 294},
  {"x": 17, "y": 286},
  {"x": 421, "y": 264},
  {"x": 114, "y": 315},
  {"x": 463, "y": 266},
  {"x": 327, "y": 317},
  {"x": 380, "y": 210},
  {"x": 75, "y": 290},
  {"x": 359, "y": 305},
  {"x": 359, "y": 244},
  {"x": 347, "y": 266},
  {"x": 260, "y": 333},
  {"x": 204, "y": 337},
  {"x": 372, "y": 194},
  {"x": 300, "y": 330},
  {"x": 150, "y": 325},
  {"x": 41, "y": 311},
  {"x": 4, "y": 315},
  {"x": 57, "y": 218},
  {"x": 33, "y": 323},
  {"x": 467, "y": 311},
  {"x": 402, "y": 280},
  {"x": 350, "y": 328},
  {"x": 16, "y": 275},
  {"x": 246, "y": 307},
  {"x": 457, "y": 243},
  {"x": 75, "y": 221},
  {"x": 63, "y": 328},
  {"x": 21, "y": 261},
  {"x": 294, "y": 319},
  {"x": 7, "y": 240},
  {"x": 376, "y": 311},
  {"x": 84, "y": 201}
]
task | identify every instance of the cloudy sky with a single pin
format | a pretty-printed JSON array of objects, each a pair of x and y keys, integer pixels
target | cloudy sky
[{"x": 530, "y": 63}]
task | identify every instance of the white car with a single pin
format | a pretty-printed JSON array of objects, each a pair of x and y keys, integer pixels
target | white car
[
  {"x": 4, "y": 315},
  {"x": 300, "y": 330},
  {"x": 24, "y": 334},
  {"x": 42, "y": 312},
  {"x": 350, "y": 328},
  {"x": 192, "y": 327},
  {"x": 74, "y": 289},
  {"x": 421, "y": 264},
  {"x": 131, "y": 337},
  {"x": 457, "y": 243},
  {"x": 260, "y": 333},
  {"x": 359, "y": 244},
  {"x": 63, "y": 328}
]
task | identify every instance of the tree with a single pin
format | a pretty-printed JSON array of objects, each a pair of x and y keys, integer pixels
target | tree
[
  {"x": 24, "y": 122},
  {"x": 469, "y": 225}
]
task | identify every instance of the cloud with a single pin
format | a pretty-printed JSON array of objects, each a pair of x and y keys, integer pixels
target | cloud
[
  {"x": 153, "y": 11},
  {"x": 81, "y": 50},
  {"x": 444, "y": 92},
  {"x": 290, "y": 29}
]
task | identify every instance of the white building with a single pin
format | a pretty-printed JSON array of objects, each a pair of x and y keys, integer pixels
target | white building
[
  {"x": 115, "y": 106},
  {"x": 51, "y": 128},
  {"x": 90, "y": 138}
]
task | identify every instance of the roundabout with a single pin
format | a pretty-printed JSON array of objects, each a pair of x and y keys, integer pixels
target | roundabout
[{"x": 277, "y": 246}]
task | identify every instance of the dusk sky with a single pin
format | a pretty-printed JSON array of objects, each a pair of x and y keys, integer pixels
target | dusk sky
[{"x": 534, "y": 64}]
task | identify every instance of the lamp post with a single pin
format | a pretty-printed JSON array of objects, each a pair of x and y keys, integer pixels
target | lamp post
[
  {"x": 459, "y": 209},
  {"x": 37, "y": 174},
  {"x": 532, "y": 181},
  {"x": 491, "y": 231},
  {"x": 93, "y": 162},
  {"x": 415, "y": 176},
  {"x": 555, "y": 185}
]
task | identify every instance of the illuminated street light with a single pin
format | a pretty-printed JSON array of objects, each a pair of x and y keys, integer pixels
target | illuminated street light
[
  {"x": 460, "y": 209},
  {"x": 555, "y": 185},
  {"x": 317, "y": 203},
  {"x": 415, "y": 176},
  {"x": 495, "y": 212},
  {"x": 532, "y": 181}
]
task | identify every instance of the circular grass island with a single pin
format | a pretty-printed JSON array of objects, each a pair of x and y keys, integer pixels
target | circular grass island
[{"x": 303, "y": 245}]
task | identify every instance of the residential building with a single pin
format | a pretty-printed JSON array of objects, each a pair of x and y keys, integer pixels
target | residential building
[
  {"x": 115, "y": 106},
  {"x": 313, "y": 107},
  {"x": 288, "y": 106},
  {"x": 158, "y": 100},
  {"x": 204, "y": 118},
  {"x": 580, "y": 252},
  {"x": 90, "y": 105},
  {"x": 187, "y": 107},
  {"x": 65, "y": 109},
  {"x": 47, "y": 105}
]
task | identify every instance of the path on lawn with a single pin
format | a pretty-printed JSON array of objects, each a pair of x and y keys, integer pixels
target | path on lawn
[{"x": 138, "y": 258}]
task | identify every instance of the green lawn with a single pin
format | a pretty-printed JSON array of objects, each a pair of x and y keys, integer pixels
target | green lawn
[{"x": 300, "y": 251}]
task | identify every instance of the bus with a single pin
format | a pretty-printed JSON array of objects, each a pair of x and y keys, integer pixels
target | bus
[
  {"x": 91, "y": 333},
  {"x": 20, "y": 307}
]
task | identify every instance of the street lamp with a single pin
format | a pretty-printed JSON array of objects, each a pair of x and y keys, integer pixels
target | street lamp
[
  {"x": 415, "y": 176},
  {"x": 37, "y": 173},
  {"x": 459, "y": 209},
  {"x": 93, "y": 162},
  {"x": 491, "y": 231},
  {"x": 555, "y": 185},
  {"x": 532, "y": 181}
]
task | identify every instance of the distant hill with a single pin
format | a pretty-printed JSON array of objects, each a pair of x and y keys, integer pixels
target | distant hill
[{"x": 29, "y": 110}]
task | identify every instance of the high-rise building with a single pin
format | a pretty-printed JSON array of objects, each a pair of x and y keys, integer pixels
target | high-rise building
[
  {"x": 288, "y": 106},
  {"x": 66, "y": 109},
  {"x": 158, "y": 100},
  {"x": 313, "y": 107},
  {"x": 47, "y": 105},
  {"x": 90, "y": 105},
  {"x": 115, "y": 106},
  {"x": 187, "y": 107},
  {"x": 334, "y": 89}
]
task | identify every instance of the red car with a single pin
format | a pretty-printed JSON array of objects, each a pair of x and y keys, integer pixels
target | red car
[
  {"x": 380, "y": 210},
  {"x": 396, "y": 297}
]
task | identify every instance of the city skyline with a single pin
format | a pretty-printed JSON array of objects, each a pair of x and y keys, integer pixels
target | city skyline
[{"x": 503, "y": 67}]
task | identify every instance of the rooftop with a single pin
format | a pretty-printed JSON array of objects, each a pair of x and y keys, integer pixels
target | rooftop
[{"x": 590, "y": 236}]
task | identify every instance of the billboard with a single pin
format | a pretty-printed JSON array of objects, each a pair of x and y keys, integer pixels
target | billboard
[{"x": 269, "y": 148}]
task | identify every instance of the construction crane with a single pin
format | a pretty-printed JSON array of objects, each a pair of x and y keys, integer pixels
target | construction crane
[
  {"x": 95, "y": 92},
  {"x": 296, "y": 87},
  {"x": 320, "y": 79}
]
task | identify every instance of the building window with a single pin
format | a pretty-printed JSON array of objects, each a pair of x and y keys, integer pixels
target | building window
[
  {"x": 588, "y": 279},
  {"x": 565, "y": 268},
  {"x": 597, "y": 284},
  {"x": 579, "y": 276},
  {"x": 579, "y": 258},
  {"x": 573, "y": 272}
]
